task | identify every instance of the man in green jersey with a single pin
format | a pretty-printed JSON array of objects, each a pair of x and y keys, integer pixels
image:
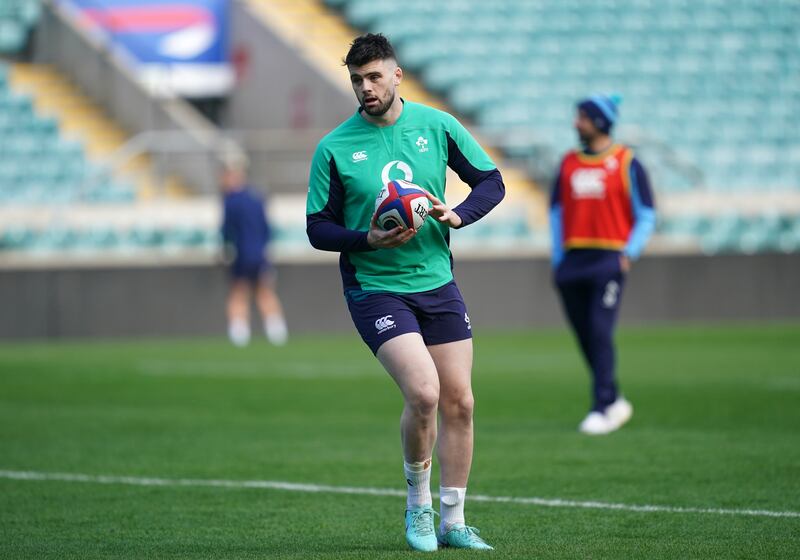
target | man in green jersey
[{"x": 399, "y": 284}]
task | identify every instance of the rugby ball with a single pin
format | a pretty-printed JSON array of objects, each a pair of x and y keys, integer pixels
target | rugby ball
[{"x": 401, "y": 203}]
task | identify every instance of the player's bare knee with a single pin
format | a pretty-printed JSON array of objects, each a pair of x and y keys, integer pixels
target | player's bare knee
[
  {"x": 458, "y": 407},
  {"x": 424, "y": 401}
]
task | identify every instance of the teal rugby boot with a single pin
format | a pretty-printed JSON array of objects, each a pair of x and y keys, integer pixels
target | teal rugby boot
[
  {"x": 463, "y": 536},
  {"x": 420, "y": 533}
]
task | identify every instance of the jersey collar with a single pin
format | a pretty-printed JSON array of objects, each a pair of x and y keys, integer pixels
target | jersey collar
[{"x": 590, "y": 157}]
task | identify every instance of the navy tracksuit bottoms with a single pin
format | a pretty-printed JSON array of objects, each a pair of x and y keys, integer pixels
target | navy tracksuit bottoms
[{"x": 590, "y": 283}]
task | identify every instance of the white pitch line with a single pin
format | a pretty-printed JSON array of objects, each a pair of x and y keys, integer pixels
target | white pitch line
[{"x": 322, "y": 488}]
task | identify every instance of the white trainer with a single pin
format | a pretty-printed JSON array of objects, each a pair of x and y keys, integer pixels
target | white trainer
[
  {"x": 619, "y": 412},
  {"x": 610, "y": 420},
  {"x": 595, "y": 424}
]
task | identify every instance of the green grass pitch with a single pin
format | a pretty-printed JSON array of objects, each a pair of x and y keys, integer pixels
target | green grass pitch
[{"x": 716, "y": 426}]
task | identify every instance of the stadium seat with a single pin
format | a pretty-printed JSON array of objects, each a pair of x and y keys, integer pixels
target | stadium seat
[
  {"x": 12, "y": 36},
  {"x": 17, "y": 18}
]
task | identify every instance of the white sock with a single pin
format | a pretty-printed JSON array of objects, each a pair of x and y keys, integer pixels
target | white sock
[
  {"x": 275, "y": 329},
  {"x": 239, "y": 332},
  {"x": 452, "y": 506},
  {"x": 418, "y": 479}
]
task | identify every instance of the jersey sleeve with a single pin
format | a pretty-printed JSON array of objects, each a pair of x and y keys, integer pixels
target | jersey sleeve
[
  {"x": 464, "y": 152},
  {"x": 319, "y": 181},
  {"x": 325, "y": 209},
  {"x": 556, "y": 223},
  {"x": 227, "y": 221},
  {"x": 644, "y": 213},
  {"x": 473, "y": 166}
]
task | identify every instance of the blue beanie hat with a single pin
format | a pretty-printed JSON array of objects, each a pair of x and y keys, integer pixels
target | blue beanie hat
[{"x": 602, "y": 110}]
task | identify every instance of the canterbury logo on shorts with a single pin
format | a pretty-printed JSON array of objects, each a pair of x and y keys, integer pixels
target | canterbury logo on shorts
[{"x": 384, "y": 324}]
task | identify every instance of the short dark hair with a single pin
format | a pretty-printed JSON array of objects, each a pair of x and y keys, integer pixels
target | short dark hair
[{"x": 369, "y": 47}]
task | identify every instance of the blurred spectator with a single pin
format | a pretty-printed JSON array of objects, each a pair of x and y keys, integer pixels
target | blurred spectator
[{"x": 246, "y": 234}]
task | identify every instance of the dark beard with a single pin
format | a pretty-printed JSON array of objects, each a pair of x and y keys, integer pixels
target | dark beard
[
  {"x": 380, "y": 110},
  {"x": 585, "y": 140}
]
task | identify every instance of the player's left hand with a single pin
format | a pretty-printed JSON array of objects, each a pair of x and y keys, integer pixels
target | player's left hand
[
  {"x": 227, "y": 255},
  {"x": 442, "y": 213}
]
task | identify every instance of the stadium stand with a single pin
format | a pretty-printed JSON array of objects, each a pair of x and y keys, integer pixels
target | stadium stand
[
  {"x": 81, "y": 119},
  {"x": 41, "y": 165},
  {"x": 711, "y": 89},
  {"x": 711, "y": 97},
  {"x": 61, "y": 193},
  {"x": 55, "y": 195}
]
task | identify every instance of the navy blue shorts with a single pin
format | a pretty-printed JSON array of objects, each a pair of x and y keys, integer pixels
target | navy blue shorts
[
  {"x": 251, "y": 270},
  {"x": 439, "y": 315}
]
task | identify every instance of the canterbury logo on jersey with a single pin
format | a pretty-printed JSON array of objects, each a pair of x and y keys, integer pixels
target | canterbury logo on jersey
[
  {"x": 360, "y": 156},
  {"x": 384, "y": 324},
  {"x": 589, "y": 183}
]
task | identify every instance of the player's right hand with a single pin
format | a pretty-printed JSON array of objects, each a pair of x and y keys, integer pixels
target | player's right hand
[
  {"x": 624, "y": 264},
  {"x": 380, "y": 239}
]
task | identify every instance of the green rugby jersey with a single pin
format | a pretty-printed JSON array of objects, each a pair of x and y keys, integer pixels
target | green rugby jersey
[{"x": 349, "y": 168}]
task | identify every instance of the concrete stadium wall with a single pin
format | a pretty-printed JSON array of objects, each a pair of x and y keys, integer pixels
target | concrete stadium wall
[
  {"x": 279, "y": 88},
  {"x": 189, "y": 300}
]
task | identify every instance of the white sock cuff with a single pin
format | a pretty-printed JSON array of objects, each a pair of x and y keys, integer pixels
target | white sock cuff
[
  {"x": 418, "y": 478},
  {"x": 451, "y": 496},
  {"x": 418, "y": 467}
]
